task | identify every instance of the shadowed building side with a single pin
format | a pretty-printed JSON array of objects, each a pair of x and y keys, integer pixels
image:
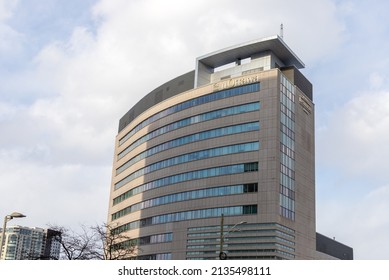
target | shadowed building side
[{"x": 233, "y": 138}]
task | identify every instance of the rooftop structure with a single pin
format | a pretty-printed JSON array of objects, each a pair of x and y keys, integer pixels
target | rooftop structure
[{"x": 267, "y": 53}]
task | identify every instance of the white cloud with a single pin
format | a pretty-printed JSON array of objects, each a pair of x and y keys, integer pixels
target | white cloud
[
  {"x": 362, "y": 224},
  {"x": 97, "y": 76},
  {"x": 352, "y": 171},
  {"x": 58, "y": 194},
  {"x": 356, "y": 136},
  {"x": 61, "y": 112},
  {"x": 376, "y": 80},
  {"x": 10, "y": 39},
  {"x": 6, "y": 8},
  {"x": 200, "y": 27}
]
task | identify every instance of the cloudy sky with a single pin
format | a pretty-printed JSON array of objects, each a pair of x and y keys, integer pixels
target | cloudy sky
[{"x": 70, "y": 69}]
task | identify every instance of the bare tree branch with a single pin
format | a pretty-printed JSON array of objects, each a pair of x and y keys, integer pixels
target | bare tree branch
[
  {"x": 114, "y": 246},
  {"x": 75, "y": 246},
  {"x": 99, "y": 242}
]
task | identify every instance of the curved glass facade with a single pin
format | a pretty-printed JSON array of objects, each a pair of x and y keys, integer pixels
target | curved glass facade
[
  {"x": 189, "y": 215},
  {"x": 236, "y": 110},
  {"x": 237, "y": 149},
  {"x": 191, "y": 103},
  {"x": 184, "y": 196},
  {"x": 188, "y": 176},
  {"x": 200, "y": 155},
  {"x": 193, "y": 138}
]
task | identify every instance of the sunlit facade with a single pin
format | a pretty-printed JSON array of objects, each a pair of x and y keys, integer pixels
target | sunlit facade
[{"x": 233, "y": 138}]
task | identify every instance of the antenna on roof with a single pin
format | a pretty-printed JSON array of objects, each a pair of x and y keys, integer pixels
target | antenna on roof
[{"x": 282, "y": 31}]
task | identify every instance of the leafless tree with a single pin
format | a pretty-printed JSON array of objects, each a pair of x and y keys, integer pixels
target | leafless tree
[
  {"x": 99, "y": 242},
  {"x": 35, "y": 256},
  {"x": 75, "y": 246},
  {"x": 112, "y": 245}
]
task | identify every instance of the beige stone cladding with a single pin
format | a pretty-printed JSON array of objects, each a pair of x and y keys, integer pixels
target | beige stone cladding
[{"x": 264, "y": 234}]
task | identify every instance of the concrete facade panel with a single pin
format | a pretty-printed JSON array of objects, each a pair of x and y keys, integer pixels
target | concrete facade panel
[{"x": 259, "y": 203}]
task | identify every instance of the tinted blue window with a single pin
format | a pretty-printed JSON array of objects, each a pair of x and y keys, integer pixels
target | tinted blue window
[
  {"x": 220, "y": 151},
  {"x": 196, "y": 194},
  {"x": 192, "y": 138},
  {"x": 188, "y": 215},
  {"x": 215, "y": 171},
  {"x": 193, "y": 102},
  {"x": 188, "y": 121}
]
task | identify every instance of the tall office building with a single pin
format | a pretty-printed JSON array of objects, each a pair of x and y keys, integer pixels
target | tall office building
[
  {"x": 25, "y": 243},
  {"x": 223, "y": 153}
]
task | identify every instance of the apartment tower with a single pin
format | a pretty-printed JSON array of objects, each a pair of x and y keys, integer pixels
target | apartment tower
[{"x": 26, "y": 243}]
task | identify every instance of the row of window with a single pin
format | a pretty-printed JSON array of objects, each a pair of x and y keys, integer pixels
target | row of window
[
  {"x": 288, "y": 88},
  {"x": 146, "y": 240},
  {"x": 199, "y": 155},
  {"x": 229, "y": 246},
  {"x": 233, "y": 236},
  {"x": 287, "y": 171},
  {"x": 261, "y": 225},
  {"x": 246, "y": 239},
  {"x": 287, "y": 151},
  {"x": 239, "y": 258},
  {"x": 287, "y": 213},
  {"x": 287, "y": 131},
  {"x": 287, "y": 141},
  {"x": 287, "y": 181},
  {"x": 204, "y": 135},
  {"x": 286, "y": 202},
  {"x": 189, "y": 215},
  {"x": 163, "y": 256},
  {"x": 287, "y": 156},
  {"x": 287, "y": 161},
  {"x": 191, "y": 103},
  {"x": 226, "y": 246},
  {"x": 284, "y": 247},
  {"x": 189, "y": 121},
  {"x": 287, "y": 110},
  {"x": 288, "y": 255},
  {"x": 217, "y": 233},
  {"x": 188, "y": 176},
  {"x": 184, "y": 196},
  {"x": 287, "y": 192},
  {"x": 204, "y": 213},
  {"x": 291, "y": 256}
]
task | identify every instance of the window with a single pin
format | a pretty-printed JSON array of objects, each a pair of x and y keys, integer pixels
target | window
[
  {"x": 190, "y": 195},
  {"x": 193, "y": 102},
  {"x": 204, "y": 135},
  {"x": 197, "y": 174},
  {"x": 287, "y": 154},
  {"x": 189, "y": 121},
  {"x": 189, "y": 215},
  {"x": 219, "y": 151},
  {"x": 249, "y": 167}
]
